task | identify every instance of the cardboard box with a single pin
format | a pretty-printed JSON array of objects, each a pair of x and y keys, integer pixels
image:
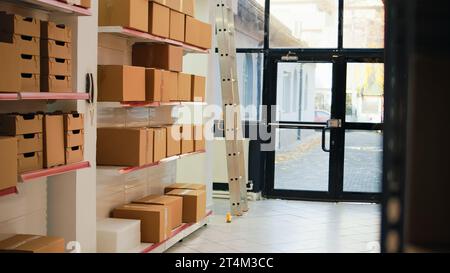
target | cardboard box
[
  {"x": 154, "y": 220},
  {"x": 56, "y": 84},
  {"x": 73, "y": 121},
  {"x": 25, "y": 44},
  {"x": 16, "y": 24},
  {"x": 57, "y": 32},
  {"x": 173, "y": 140},
  {"x": 8, "y": 162},
  {"x": 118, "y": 235},
  {"x": 172, "y": 4},
  {"x": 122, "y": 147},
  {"x": 185, "y": 186},
  {"x": 9, "y": 70},
  {"x": 198, "y": 33},
  {"x": 188, "y": 7},
  {"x": 56, "y": 49},
  {"x": 74, "y": 138},
  {"x": 54, "y": 148},
  {"x": 14, "y": 124},
  {"x": 126, "y": 13},
  {"x": 187, "y": 139},
  {"x": 28, "y": 64},
  {"x": 85, "y": 4},
  {"x": 30, "y": 143},
  {"x": 174, "y": 205},
  {"x": 184, "y": 87},
  {"x": 199, "y": 138},
  {"x": 117, "y": 83},
  {"x": 159, "y": 144},
  {"x": 153, "y": 84},
  {"x": 30, "y": 82},
  {"x": 74, "y": 154},
  {"x": 32, "y": 244},
  {"x": 194, "y": 204},
  {"x": 169, "y": 88},
  {"x": 150, "y": 148},
  {"x": 159, "y": 20},
  {"x": 160, "y": 56},
  {"x": 30, "y": 162},
  {"x": 177, "y": 24},
  {"x": 54, "y": 66},
  {"x": 198, "y": 88}
]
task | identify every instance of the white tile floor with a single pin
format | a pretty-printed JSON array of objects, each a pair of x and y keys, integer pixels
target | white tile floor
[{"x": 276, "y": 226}]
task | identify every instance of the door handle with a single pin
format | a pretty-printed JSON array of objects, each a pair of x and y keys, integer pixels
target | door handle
[{"x": 324, "y": 139}]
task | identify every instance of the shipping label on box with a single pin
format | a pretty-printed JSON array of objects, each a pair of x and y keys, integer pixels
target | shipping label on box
[
  {"x": 13, "y": 125},
  {"x": 30, "y": 162},
  {"x": 16, "y": 24},
  {"x": 8, "y": 162},
  {"x": 30, "y": 143},
  {"x": 57, "y": 32}
]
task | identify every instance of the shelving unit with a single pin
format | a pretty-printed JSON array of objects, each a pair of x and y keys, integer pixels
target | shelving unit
[
  {"x": 142, "y": 37},
  {"x": 29, "y": 176},
  {"x": 42, "y": 96},
  {"x": 56, "y": 6}
]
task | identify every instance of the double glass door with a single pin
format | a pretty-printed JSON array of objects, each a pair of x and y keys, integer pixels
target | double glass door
[{"x": 327, "y": 121}]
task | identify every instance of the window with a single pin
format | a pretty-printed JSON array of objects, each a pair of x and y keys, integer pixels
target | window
[{"x": 249, "y": 22}]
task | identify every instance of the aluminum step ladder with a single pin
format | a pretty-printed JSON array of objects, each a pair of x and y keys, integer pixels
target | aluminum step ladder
[{"x": 237, "y": 179}]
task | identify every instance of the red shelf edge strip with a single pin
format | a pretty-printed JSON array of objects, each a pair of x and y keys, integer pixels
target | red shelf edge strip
[
  {"x": 53, "y": 96},
  {"x": 54, "y": 171},
  {"x": 174, "y": 233},
  {"x": 9, "y": 191}
]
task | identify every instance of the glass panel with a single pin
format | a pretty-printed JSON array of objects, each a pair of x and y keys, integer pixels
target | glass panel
[
  {"x": 365, "y": 93},
  {"x": 300, "y": 163},
  {"x": 363, "y": 161},
  {"x": 249, "y": 22},
  {"x": 304, "y": 92},
  {"x": 250, "y": 79},
  {"x": 363, "y": 24},
  {"x": 303, "y": 24}
]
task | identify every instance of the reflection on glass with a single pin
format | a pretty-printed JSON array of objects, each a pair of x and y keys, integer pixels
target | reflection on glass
[
  {"x": 249, "y": 22},
  {"x": 304, "y": 92},
  {"x": 365, "y": 93},
  {"x": 303, "y": 24},
  {"x": 250, "y": 79},
  {"x": 300, "y": 163},
  {"x": 363, "y": 24},
  {"x": 363, "y": 161}
]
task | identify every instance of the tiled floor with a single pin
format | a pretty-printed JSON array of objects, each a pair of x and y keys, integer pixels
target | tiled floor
[{"x": 275, "y": 226}]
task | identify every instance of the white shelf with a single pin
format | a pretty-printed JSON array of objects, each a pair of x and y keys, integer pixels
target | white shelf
[{"x": 53, "y": 6}]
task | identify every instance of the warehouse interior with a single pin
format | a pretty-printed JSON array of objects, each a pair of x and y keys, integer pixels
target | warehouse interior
[{"x": 199, "y": 126}]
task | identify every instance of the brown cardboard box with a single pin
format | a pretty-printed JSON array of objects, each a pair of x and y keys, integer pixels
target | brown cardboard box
[
  {"x": 9, "y": 70},
  {"x": 159, "y": 144},
  {"x": 185, "y": 186},
  {"x": 194, "y": 204},
  {"x": 13, "y": 124},
  {"x": 154, "y": 220},
  {"x": 85, "y": 4},
  {"x": 172, "y": 4},
  {"x": 8, "y": 162},
  {"x": 32, "y": 244},
  {"x": 28, "y": 162},
  {"x": 198, "y": 88},
  {"x": 25, "y": 44},
  {"x": 173, "y": 140},
  {"x": 28, "y": 64},
  {"x": 153, "y": 84},
  {"x": 16, "y": 24},
  {"x": 74, "y": 154},
  {"x": 198, "y": 33},
  {"x": 54, "y": 149},
  {"x": 30, "y": 143},
  {"x": 122, "y": 147},
  {"x": 184, "y": 87},
  {"x": 188, "y": 7},
  {"x": 166, "y": 86},
  {"x": 74, "y": 138},
  {"x": 159, "y": 20},
  {"x": 73, "y": 121},
  {"x": 150, "y": 148},
  {"x": 54, "y": 66},
  {"x": 174, "y": 205},
  {"x": 173, "y": 86},
  {"x": 177, "y": 23},
  {"x": 30, "y": 82},
  {"x": 199, "y": 136},
  {"x": 56, "y": 49},
  {"x": 117, "y": 83},
  {"x": 127, "y": 13},
  {"x": 160, "y": 56},
  {"x": 52, "y": 31},
  {"x": 56, "y": 84},
  {"x": 187, "y": 139}
]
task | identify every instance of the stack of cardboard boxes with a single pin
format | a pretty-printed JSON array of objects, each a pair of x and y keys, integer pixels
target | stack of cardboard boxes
[
  {"x": 134, "y": 147},
  {"x": 160, "y": 215},
  {"x": 74, "y": 137}
]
